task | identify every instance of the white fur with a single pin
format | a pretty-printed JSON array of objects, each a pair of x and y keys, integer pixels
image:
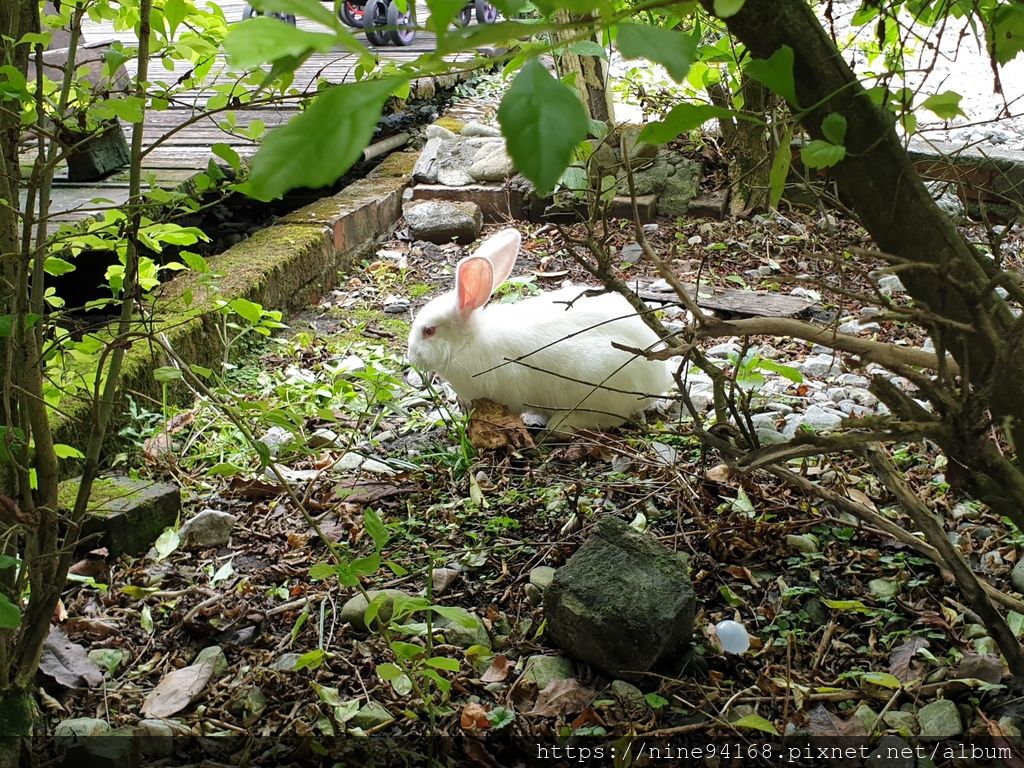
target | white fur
[{"x": 554, "y": 345}]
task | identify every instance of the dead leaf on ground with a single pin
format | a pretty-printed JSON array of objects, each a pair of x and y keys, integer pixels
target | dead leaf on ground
[
  {"x": 474, "y": 717},
  {"x": 177, "y": 690},
  {"x": 562, "y": 697},
  {"x": 720, "y": 473},
  {"x": 158, "y": 447},
  {"x": 499, "y": 669},
  {"x": 368, "y": 491},
  {"x": 66, "y": 662},
  {"x": 493, "y": 426},
  {"x": 861, "y": 498},
  {"x": 91, "y": 627},
  {"x": 253, "y": 489},
  {"x": 821, "y": 722},
  {"x": 901, "y": 660}
]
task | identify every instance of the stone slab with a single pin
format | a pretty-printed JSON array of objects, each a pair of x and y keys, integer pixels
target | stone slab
[
  {"x": 125, "y": 515},
  {"x": 497, "y": 202}
]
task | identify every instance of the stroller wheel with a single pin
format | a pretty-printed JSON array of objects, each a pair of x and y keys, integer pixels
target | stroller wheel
[
  {"x": 401, "y": 31},
  {"x": 485, "y": 12},
  {"x": 351, "y": 13},
  {"x": 375, "y": 17}
]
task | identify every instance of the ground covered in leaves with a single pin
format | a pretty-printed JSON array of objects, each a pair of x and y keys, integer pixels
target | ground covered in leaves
[{"x": 853, "y": 632}]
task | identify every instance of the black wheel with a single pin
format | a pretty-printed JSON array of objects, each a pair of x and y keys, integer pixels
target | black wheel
[
  {"x": 485, "y": 12},
  {"x": 401, "y": 31},
  {"x": 375, "y": 17},
  {"x": 462, "y": 20},
  {"x": 287, "y": 18},
  {"x": 351, "y": 13}
]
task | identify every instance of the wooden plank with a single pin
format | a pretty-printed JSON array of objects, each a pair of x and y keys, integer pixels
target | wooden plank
[{"x": 734, "y": 301}]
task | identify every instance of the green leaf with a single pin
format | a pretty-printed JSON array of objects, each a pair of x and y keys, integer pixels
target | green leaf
[
  {"x": 443, "y": 662},
  {"x": 726, "y": 8},
  {"x": 834, "y": 127},
  {"x": 785, "y": 371},
  {"x": 588, "y": 48},
  {"x": 944, "y": 105},
  {"x": 310, "y": 9},
  {"x": 194, "y": 262},
  {"x": 681, "y": 119},
  {"x": 780, "y": 169},
  {"x": 311, "y": 659},
  {"x": 167, "y": 373},
  {"x": 10, "y": 615},
  {"x": 821, "y": 154},
  {"x": 6, "y": 561},
  {"x": 406, "y": 652},
  {"x": 775, "y": 73},
  {"x": 328, "y": 695},
  {"x": 262, "y": 39},
  {"x": 755, "y": 722},
  {"x": 321, "y": 571},
  {"x": 542, "y": 121},
  {"x": 175, "y": 12},
  {"x": 883, "y": 680},
  {"x": 500, "y": 717},
  {"x": 846, "y": 605},
  {"x": 1007, "y": 31},
  {"x": 227, "y": 154},
  {"x": 57, "y": 266},
  {"x": 673, "y": 50},
  {"x": 388, "y": 672},
  {"x": 318, "y": 145},
  {"x": 375, "y": 527},
  {"x": 67, "y": 452},
  {"x": 166, "y": 543},
  {"x": 441, "y": 14},
  {"x": 249, "y": 311}
]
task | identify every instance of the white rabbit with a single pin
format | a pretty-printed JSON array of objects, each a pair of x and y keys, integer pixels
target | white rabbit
[{"x": 563, "y": 363}]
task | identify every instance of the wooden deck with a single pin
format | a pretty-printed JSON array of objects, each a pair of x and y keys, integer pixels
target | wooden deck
[{"x": 187, "y": 151}]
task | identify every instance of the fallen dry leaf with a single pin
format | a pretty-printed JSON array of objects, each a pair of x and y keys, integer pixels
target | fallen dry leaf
[
  {"x": 901, "y": 660},
  {"x": 861, "y": 498},
  {"x": 493, "y": 426},
  {"x": 720, "y": 473},
  {"x": 368, "y": 491},
  {"x": 158, "y": 447},
  {"x": 66, "y": 662},
  {"x": 474, "y": 717},
  {"x": 91, "y": 627},
  {"x": 821, "y": 722},
  {"x": 177, "y": 690},
  {"x": 499, "y": 669},
  {"x": 562, "y": 697}
]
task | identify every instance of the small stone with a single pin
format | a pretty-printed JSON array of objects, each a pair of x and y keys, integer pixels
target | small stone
[
  {"x": 349, "y": 461},
  {"x": 802, "y": 542},
  {"x": 1010, "y": 727},
  {"x": 286, "y": 662},
  {"x": 816, "y": 418},
  {"x": 441, "y": 221},
  {"x": 769, "y": 436},
  {"x": 473, "y": 128},
  {"x": 441, "y": 579},
  {"x": 628, "y": 695},
  {"x": 78, "y": 728},
  {"x": 631, "y": 253},
  {"x": 213, "y": 655},
  {"x": 397, "y": 307},
  {"x": 866, "y": 715},
  {"x": 1017, "y": 576},
  {"x": 156, "y": 737},
  {"x": 377, "y": 467},
  {"x": 725, "y": 349},
  {"x": 322, "y": 438},
  {"x": 904, "y": 722},
  {"x": 890, "y": 284},
  {"x": 650, "y": 229},
  {"x": 464, "y": 632},
  {"x": 542, "y": 576},
  {"x": 354, "y": 609},
  {"x": 435, "y": 131},
  {"x": 371, "y": 715},
  {"x": 492, "y": 164},
  {"x": 884, "y": 589},
  {"x": 209, "y": 528},
  {"x": 541, "y": 671},
  {"x": 820, "y": 366},
  {"x": 980, "y": 667},
  {"x": 940, "y": 720},
  {"x": 276, "y": 438}
]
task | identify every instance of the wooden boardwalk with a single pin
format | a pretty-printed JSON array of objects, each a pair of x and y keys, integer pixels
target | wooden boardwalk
[{"x": 181, "y": 155}]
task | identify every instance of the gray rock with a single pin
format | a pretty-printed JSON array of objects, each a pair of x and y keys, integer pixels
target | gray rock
[
  {"x": 853, "y": 380},
  {"x": 276, "y": 438},
  {"x": 542, "y": 576},
  {"x": 904, "y": 722},
  {"x": 473, "y": 128},
  {"x": 802, "y": 542},
  {"x": 638, "y": 153},
  {"x": 596, "y": 612},
  {"x": 820, "y": 366},
  {"x": 371, "y": 715},
  {"x": 454, "y": 176},
  {"x": 1017, "y": 576},
  {"x": 940, "y": 720},
  {"x": 426, "y": 168},
  {"x": 628, "y": 695},
  {"x": 890, "y": 284},
  {"x": 631, "y": 253},
  {"x": 81, "y": 727},
  {"x": 210, "y": 528},
  {"x": 725, "y": 349},
  {"x": 815, "y": 418},
  {"x": 124, "y": 515},
  {"x": 980, "y": 667},
  {"x": 680, "y": 188},
  {"x": 883, "y": 589},
  {"x": 441, "y": 579},
  {"x": 286, "y": 662},
  {"x": 435, "y": 131},
  {"x": 440, "y": 221},
  {"x": 492, "y": 164},
  {"x": 541, "y": 671},
  {"x": 377, "y": 467},
  {"x": 354, "y": 609},
  {"x": 891, "y": 752},
  {"x": 213, "y": 655},
  {"x": 466, "y": 631},
  {"x": 769, "y": 436},
  {"x": 322, "y": 438},
  {"x": 156, "y": 737}
]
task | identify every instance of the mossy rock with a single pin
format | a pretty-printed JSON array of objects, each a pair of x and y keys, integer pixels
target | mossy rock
[
  {"x": 452, "y": 124},
  {"x": 124, "y": 515}
]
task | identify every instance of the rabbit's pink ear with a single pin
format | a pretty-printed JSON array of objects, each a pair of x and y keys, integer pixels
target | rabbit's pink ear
[
  {"x": 474, "y": 280},
  {"x": 501, "y": 250}
]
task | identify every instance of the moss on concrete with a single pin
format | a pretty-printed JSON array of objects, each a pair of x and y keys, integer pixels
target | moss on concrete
[
  {"x": 452, "y": 124},
  {"x": 104, "y": 490},
  {"x": 397, "y": 165}
]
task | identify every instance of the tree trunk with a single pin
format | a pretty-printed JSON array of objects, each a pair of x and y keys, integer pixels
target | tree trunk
[
  {"x": 591, "y": 78},
  {"x": 747, "y": 145},
  {"x": 942, "y": 272}
]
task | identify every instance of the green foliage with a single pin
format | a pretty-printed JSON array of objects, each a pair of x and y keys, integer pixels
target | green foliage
[
  {"x": 683, "y": 118},
  {"x": 672, "y": 50},
  {"x": 543, "y": 121},
  {"x": 775, "y": 73}
]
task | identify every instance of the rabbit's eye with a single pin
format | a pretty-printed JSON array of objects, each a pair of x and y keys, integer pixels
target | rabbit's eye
[{"x": 428, "y": 331}]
